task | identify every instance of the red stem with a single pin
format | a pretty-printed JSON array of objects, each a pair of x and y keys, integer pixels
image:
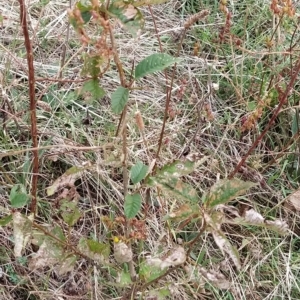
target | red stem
[
  {"x": 35, "y": 168},
  {"x": 282, "y": 100}
]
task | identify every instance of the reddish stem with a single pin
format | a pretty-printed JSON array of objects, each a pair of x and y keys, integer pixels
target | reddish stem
[
  {"x": 35, "y": 168},
  {"x": 282, "y": 100}
]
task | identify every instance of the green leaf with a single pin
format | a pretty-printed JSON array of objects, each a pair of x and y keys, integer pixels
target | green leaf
[
  {"x": 92, "y": 65},
  {"x": 92, "y": 86},
  {"x": 92, "y": 250},
  {"x": 183, "y": 212},
  {"x": 130, "y": 17},
  {"x": 125, "y": 279},
  {"x": 295, "y": 122},
  {"x": 70, "y": 213},
  {"x": 5, "y": 220},
  {"x": 168, "y": 179},
  {"x": 58, "y": 232},
  {"x": 119, "y": 99},
  {"x": 132, "y": 205},
  {"x": 85, "y": 7},
  {"x": 226, "y": 190},
  {"x": 138, "y": 172},
  {"x": 154, "y": 63},
  {"x": 149, "y": 272},
  {"x": 175, "y": 187},
  {"x": 177, "y": 169},
  {"x": 100, "y": 248},
  {"x": 18, "y": 196}
]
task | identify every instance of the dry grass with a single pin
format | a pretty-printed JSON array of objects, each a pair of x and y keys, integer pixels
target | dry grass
[{"x": 270, "y": 263}]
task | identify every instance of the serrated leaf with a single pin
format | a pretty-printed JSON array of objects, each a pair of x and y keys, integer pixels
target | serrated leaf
[
  {"x": 5, "y": 220},
  {"x": 226, "y": 190},
  {"x": 99, "y": 248},
  {"x": 175, "y": 187},
  {"x": 67, "y": 179},
  {"x": 168, "y": 179},
  {"x": 154, "y": 63},
  {"x": 138, "y": 172},
  {"x": 22, "y": 230},
  {"x": 92, "y": 86},
  {"x": 18, "y": 196},
  {"x": 132, "y": 205},
  {"x": 129, "y": 16},
  {"x": 119, "y": 99}
]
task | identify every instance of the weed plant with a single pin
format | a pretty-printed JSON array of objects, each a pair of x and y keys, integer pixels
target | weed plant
[{"x": 149, "y": 149}]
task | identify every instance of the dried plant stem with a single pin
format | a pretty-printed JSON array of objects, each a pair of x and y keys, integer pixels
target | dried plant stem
[
  {"x": 64, "y": 49},
  {"x": 282, "y": 100},
  {"x": 125, "y": 185},
  {"x": 188, "y": 24},
  {"x": 35, "y": 164}
]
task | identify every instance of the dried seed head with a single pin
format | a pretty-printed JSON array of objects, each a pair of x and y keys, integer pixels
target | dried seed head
[
  {"x": 139, "y": 121},
  {"x": 196, "y": 17}
]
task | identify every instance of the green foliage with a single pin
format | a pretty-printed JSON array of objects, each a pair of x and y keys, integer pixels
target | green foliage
[
  {"x": 154, "y": 63},
  {"x": 132, "y": 205},
  {"x": 18, "y": 196},
  {"x": 226, "y": 190},
  {"x": 93, "y": 87},
  {"x": 130, "y": 16},
  {"x": 85, "y": 8},
  {"x": 119, "y": 99},
  {"x": 98, "y": 248},
  {"x": 70, "y": 212},
  {"x": 92, "y": 66},
  {"x": 149, "y": 272},
  {"x": 168, "y": 179},
  {"x": 138, "y": 172},
  {"x": 5, "y": 220}
]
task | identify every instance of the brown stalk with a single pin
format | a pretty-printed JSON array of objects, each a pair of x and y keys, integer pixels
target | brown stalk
[
  {"x": 282, "y": 100},
  {"x": 35, "y": 163}
]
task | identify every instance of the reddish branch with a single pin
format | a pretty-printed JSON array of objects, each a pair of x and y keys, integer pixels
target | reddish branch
[
  {"x": 282, "y": 100},
  {"x": 35, "y": 168}
]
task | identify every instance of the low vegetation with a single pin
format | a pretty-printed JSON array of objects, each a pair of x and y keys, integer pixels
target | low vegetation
[{"x": 149, "y": 149}]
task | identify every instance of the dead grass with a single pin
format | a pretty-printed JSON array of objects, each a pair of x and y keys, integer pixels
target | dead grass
[{"x": 270, "y": 270}]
